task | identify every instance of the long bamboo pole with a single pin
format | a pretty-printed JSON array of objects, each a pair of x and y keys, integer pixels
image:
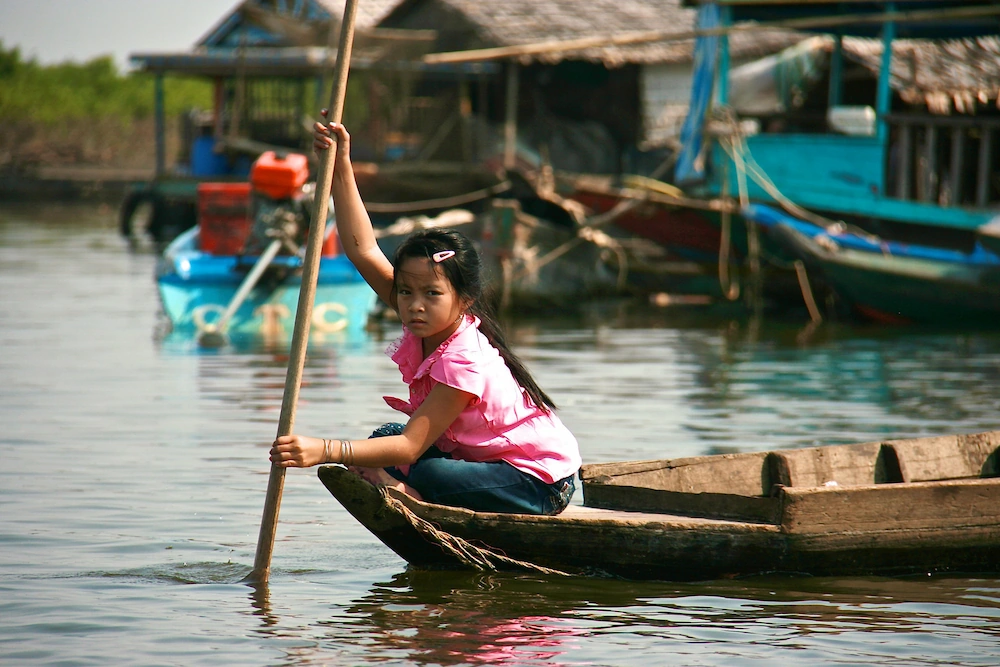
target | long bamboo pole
[
  {"x": 307, "y": 293},
  {"x": 643, "y": 37}
]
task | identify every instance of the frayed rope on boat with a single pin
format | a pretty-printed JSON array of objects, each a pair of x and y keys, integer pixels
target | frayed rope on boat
[{"x": 466, "y": 552}]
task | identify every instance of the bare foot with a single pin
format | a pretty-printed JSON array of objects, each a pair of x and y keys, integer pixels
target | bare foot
[{"x": 379, "y": 477}]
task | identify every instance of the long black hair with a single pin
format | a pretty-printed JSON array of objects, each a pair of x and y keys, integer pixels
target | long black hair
[{"x": 464, "y": 272}]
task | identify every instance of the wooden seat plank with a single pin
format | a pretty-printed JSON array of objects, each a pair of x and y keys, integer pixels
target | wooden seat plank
[{"x": 947, "y": 457}]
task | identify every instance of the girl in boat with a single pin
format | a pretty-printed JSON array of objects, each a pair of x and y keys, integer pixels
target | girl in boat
[{"x": 481, "y": 433}]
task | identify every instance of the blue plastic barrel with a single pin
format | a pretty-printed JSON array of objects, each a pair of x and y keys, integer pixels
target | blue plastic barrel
[{"x": 205, "y": 161}]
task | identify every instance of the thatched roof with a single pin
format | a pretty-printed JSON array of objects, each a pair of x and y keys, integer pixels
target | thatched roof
[
  {"x": 954, "y": 74},
  {"x": 478, "y": 24}
]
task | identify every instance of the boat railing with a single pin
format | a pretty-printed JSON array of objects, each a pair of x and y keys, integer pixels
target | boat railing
[{"x": 944, "y": 160}]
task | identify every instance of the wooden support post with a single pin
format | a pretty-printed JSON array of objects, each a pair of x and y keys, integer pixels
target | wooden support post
[
  {"x": 465, "y": 110},
  {"x": 884, "y": 93},
  {"x": 985, "y": 167},
  {"x": 376, "y": 123},
  {"x": 726, "y": 17},
  {"x": 405, "y": 122},
  {"x": 219, "y": 109},
  {"x": 161, "y": 127},
  {"x": 931, "y": 180},
  {"x": 837, "y": 71},
  {"x": 510, "y": 120},
  {"x": 483, "y": 101},
  {"x": 300, "y": 108},
  {"x": 903, "y": 160},
  {"x": 957, "y": 165}
]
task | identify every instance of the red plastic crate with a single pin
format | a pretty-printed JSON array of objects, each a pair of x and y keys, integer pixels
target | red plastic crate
[{"x": 223, "y": 217}]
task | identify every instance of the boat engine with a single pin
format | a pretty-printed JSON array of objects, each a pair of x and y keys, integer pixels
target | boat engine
[
  {"x": 280, "y": 202},
  {"x": 242, "y": 219}
]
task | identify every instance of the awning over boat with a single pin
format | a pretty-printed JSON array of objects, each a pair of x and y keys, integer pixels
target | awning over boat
[
  {"x": 285, "y": 61},
  {"x": 252, "y": 62},
  {"x": 773, "y": 84}
]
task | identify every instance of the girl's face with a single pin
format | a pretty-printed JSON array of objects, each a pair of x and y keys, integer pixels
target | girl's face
[{"x": 427, "y": 302}]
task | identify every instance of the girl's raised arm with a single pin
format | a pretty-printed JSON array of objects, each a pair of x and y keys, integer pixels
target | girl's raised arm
[{"x": 353, "y": 224}]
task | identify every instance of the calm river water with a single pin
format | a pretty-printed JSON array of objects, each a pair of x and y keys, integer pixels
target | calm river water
[{"x": 134, "y": 471}]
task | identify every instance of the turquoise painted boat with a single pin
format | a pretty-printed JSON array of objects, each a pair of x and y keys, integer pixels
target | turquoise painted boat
[
  {"x": 890, "y": 281},
  {"x": 885, "y": 121},
  {"x": 196, "y": 287}
]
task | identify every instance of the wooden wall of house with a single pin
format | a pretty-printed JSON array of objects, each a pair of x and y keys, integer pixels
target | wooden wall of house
[{"x": 572, "y": 92}]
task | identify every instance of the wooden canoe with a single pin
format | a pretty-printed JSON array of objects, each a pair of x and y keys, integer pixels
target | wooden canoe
[{"x": 892, "y": 507}]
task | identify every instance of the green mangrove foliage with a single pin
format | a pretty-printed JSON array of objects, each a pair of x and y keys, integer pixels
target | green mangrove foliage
[{"x": 49, "y": 94}]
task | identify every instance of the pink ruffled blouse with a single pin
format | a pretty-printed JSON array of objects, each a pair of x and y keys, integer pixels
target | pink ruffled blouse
[{"x": 501, "y": 422}]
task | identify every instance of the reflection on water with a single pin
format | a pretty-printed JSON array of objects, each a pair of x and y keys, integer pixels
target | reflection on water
[
  {"x": 449, "y": 618},
  {"x": 693, "y": 382},
  {"x": 135, "y": 469}
]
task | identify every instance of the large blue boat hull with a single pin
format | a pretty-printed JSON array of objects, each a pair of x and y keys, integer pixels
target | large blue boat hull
[
  {"x": 196, "y": 288},
  {"x": 891, "y": 281}
]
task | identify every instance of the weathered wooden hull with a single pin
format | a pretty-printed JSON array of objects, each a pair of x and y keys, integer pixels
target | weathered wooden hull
[
  {"x": 893, "y": 529},
  {"x": 581, "y": 540},
  {"x": 706, "y": 517},
  {"x": 687, "y": 232}
]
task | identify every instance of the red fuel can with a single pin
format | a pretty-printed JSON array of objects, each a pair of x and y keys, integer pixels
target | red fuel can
[{"x": 279, "y": 176}]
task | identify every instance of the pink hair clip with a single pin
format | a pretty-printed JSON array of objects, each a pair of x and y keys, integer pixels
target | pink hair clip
[{"x": 443, "y": 255}]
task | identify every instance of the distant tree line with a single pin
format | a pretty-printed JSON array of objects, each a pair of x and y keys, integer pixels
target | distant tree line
[{"x": 94, "y": 90}]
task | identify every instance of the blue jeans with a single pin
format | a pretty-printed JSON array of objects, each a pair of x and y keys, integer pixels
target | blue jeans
[{"x": 482, "y": 486}]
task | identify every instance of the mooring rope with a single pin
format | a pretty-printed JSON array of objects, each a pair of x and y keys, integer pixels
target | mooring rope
[
  {"x": 735, "y": 145},
  {"x": 729, "y": 284},
  {"x": 807, "y": 294},
  {"x": 463, "y": 550},
  {"x": 443, "y": 202},
  {"x": 584, "y": 233}
]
